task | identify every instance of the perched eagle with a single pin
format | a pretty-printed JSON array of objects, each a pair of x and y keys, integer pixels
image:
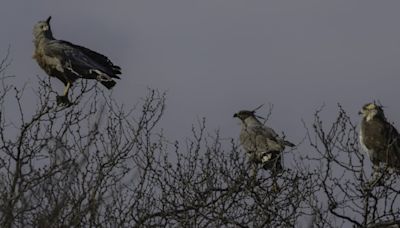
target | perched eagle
[
  {"x": 69, "y": 62},
  {"x": 262, "y": 144},
  {"x": 379, "y": 138}
]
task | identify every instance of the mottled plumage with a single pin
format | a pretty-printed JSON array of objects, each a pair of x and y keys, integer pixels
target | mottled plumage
[
  {"x": 379, "y": 138},
  {"x": 263, "y": 145},
  {"x": 69, "y": 62}
]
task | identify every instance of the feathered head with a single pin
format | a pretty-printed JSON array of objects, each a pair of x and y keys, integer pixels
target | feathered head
[
  {"x": 372, "y": 110},
  {"x": 42, "y": 29}
]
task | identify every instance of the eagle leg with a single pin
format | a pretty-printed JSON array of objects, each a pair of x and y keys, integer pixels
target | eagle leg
[{"x": 66, "y": 89}]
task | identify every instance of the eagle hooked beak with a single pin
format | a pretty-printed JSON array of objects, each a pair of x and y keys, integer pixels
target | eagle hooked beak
[{"x": 48, "y": 20}]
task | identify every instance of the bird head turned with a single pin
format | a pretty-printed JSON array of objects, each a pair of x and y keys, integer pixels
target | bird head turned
[
  {"x": 244, "y": 114},
  {"x": 42, "y": 28},
  {"x": 372, "y": 110}
]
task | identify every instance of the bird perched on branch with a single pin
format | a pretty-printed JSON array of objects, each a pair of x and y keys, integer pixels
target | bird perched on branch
[
  {"x": 262, "y": 144},
  {"x": 69, "y": 62},
  {"x": 379, "y": 138}
]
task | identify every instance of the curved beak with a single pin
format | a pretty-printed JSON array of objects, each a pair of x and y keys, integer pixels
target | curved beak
[
  {"x": 48, "y": 20},
  {"x": 235, "y": 115}
]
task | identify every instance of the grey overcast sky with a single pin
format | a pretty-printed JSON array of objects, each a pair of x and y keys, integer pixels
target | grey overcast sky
[{"x": 215, "y": 57}]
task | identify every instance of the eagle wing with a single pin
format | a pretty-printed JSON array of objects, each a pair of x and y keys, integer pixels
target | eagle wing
[
  {"x": 99, "y": 58},
  {"x": 382, "y": 141},
  {"x": 393, "y": 148},
  {"x": 79, "y": 61},
  {"x": 260, "y": 139}
]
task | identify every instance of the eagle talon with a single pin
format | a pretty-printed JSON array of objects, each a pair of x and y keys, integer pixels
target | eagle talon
[{"x": 63, "y": 101}]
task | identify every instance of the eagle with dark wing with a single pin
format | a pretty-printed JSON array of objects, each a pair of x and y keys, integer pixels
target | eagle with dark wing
[
  {"x": 262, "y": 144},
  {"x": 379, "y": 138},
  {"x": 69, "y": 62}
]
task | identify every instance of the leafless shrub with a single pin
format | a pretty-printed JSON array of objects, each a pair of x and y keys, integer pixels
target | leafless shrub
[
  {"x": 343, "y": 175},
  {"x": 99, "y": 164}
]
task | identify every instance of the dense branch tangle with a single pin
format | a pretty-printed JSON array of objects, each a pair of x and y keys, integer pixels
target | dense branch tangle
[
  {"x": 98, "y": 164},
  {"x": 61, "y": 166}
]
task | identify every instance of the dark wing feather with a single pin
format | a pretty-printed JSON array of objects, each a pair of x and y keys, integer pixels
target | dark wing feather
[
  {"x": 79, "y": 60},
  {"x": 272, "y": 135},
  {"x": 261, "y": 139},
  {"x": 374, "y": 135},
  {"x": 394, "y": 146},
  {"x": 382, "y": 139},
  {"x": 100, "y": 59},
  {"x": 265, "y": 131}
]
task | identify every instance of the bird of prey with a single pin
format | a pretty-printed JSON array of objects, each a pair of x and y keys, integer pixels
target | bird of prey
[
  {"x": 262, "y": 144},
  {"x": 379, "y": 138},
  {"x": 69, "y": 62}
]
